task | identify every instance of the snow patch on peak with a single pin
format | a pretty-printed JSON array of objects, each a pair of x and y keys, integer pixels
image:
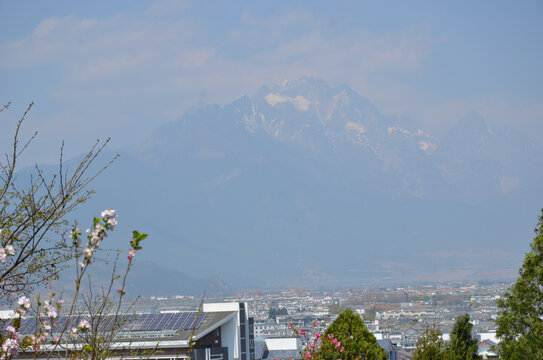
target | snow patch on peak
[
  {"x": 427, "y": 147},
  {"x": 299, "y": 101},
  {"x": 355, "y": 127},
  {"x": 274, "y": 99},
  {"x": 419, "y": 132}
]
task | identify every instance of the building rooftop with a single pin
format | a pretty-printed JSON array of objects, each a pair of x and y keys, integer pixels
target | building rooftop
[{"x": 177, "y": 325}]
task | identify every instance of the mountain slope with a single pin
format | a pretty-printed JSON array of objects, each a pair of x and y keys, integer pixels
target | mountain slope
[{"x": 303, "y": 183}]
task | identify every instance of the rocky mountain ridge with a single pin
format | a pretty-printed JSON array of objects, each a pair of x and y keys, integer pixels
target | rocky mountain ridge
[{"x": 303, "y": 184}]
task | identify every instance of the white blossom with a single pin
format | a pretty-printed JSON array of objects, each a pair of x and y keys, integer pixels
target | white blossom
[
  {"x": 109, "y": 214},
  {"x": 24, "y": 302},
  {"x": 88, "y": 252},
  {"x": 10, "y": 250},
  {"x": 75, "y": 233}
]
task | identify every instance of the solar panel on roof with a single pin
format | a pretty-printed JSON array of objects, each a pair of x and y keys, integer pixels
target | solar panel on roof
[
  {"x": 107, "y": 322},
  {"x": 150, "y": 319},
  {"x": 61, "y": 322},
  {"x": 26, "y": 324},
  {"x": 126, "y": 322},
  {"x": 138, "y": 323},
  {"x": 173, "y": 320},
  {"x": 102, "y": 322},
  {"x": 159, "y": 321},
  {"x": 5, "y": 323},
  {"x": 121, "y": 322},
  {"x": 164, "y": 321},
  {"x": 177, "y": 321},
  {"x": 143, "y": 322},
  {"x": 199, "y": 319},
  {"x": 31, "y": 328},
  {"x": 190, "y": 321}
]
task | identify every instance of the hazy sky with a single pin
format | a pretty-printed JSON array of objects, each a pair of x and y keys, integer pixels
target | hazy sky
[{"x": 121, "y": 68}]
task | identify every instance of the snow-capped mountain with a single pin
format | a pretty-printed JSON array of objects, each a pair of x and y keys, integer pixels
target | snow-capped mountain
[
  {"x": 471, "y": 162},
  {"x": 293, "y": 175}
]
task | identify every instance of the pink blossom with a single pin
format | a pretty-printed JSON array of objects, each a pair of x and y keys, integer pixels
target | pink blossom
[
  {"x": 131, "y": 253},
  {"x": 3, "y": 255},
  {"x": 83, "y": 325},
  {"x": 341, "y": 350},
  {"x": 308, "y": 355},
  {"x": 19, "y": 312},
  {"x": 10, "y": 348},
  {"x": 11, "y": 330},
  {"x": 331, "y": 336}
]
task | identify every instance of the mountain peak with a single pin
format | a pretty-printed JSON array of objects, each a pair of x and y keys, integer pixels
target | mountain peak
[
  {"x": 310, "y": 88},
  {"x": 472, "y": 123},
  {"x": 304, "y": 82}
]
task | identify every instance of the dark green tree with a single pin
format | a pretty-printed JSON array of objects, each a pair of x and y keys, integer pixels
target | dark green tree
[
  {"x": 430, "y": 345},
  {"x": 355, "y": 338},
  {"x": 520, "y": 322},
  {"x": 462, "y": 345}
]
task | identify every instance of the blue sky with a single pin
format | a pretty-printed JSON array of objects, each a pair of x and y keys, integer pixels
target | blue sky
[{"x": 121, "y": 68}]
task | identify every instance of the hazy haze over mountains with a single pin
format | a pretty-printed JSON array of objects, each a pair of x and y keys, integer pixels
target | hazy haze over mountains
[
  {"x": 303, "y": 184},
  {"x": 426, "y": 165}
]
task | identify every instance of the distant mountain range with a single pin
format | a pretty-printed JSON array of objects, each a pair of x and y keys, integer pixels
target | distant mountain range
[
  {"x": 303, "y": 184},
  {"x": 146, "y": 278}
]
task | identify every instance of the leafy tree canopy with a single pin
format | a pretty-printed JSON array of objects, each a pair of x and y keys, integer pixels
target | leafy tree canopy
[
  {"x": 349, "y": 329},
  {"x": 520, "y": 323},
  {"x": 430, "y": 345},
  {"x": 462, "y": 346}
]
